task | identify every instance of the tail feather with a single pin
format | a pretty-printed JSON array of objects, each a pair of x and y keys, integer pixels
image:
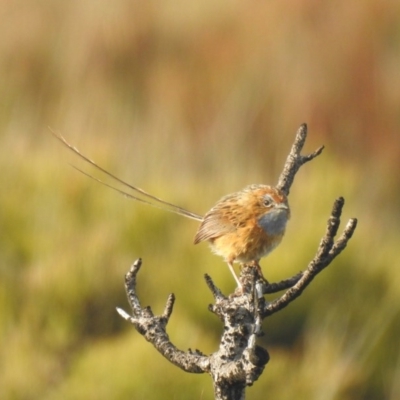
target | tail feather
[{"x": 147, "y": 197}]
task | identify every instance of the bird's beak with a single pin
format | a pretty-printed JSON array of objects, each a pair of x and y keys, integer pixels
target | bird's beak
[{"x": 282, "y": 206}]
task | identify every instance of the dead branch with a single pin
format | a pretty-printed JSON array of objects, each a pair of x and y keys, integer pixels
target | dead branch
[
  {"x": 239, "y": 361},
  {"x": 295, "y": 160},
  {"x": 327, "y": 251},
  {"x": 153, "y": 328}
]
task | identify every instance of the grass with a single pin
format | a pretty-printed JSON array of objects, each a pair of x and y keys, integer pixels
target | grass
[{"x": 190, "y": 104}]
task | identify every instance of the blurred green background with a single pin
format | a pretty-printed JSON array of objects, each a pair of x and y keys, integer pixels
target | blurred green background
[{"x": 193, "y": 100}]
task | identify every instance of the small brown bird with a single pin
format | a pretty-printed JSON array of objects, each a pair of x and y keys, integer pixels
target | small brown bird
[
  {"x": 242, "y": 227},
  {"x": 246, "y": 226}
]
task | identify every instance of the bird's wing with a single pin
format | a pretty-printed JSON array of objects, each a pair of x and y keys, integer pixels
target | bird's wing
[{"x": 218, "y": 221}]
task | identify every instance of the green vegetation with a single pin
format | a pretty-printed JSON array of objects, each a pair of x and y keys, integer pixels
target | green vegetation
[{"x": 190, "y": 103}]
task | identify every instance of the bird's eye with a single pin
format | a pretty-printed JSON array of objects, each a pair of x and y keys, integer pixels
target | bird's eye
[{"x": 267, "y": 201}]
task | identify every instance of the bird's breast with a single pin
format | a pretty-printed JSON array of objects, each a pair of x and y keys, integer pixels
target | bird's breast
[{"x": 273, "y": 222}]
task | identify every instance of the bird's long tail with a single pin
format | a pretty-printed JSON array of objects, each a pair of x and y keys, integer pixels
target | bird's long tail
[{"x": 142, "y": 196}]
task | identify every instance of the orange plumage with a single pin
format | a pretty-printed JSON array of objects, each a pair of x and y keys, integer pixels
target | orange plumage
[{"x": 247, "y": 225}]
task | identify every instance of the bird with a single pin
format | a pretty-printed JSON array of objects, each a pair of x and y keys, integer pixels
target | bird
[
  {"x": 242, "y": 227},
  {"x": 246, "y": 226}
]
